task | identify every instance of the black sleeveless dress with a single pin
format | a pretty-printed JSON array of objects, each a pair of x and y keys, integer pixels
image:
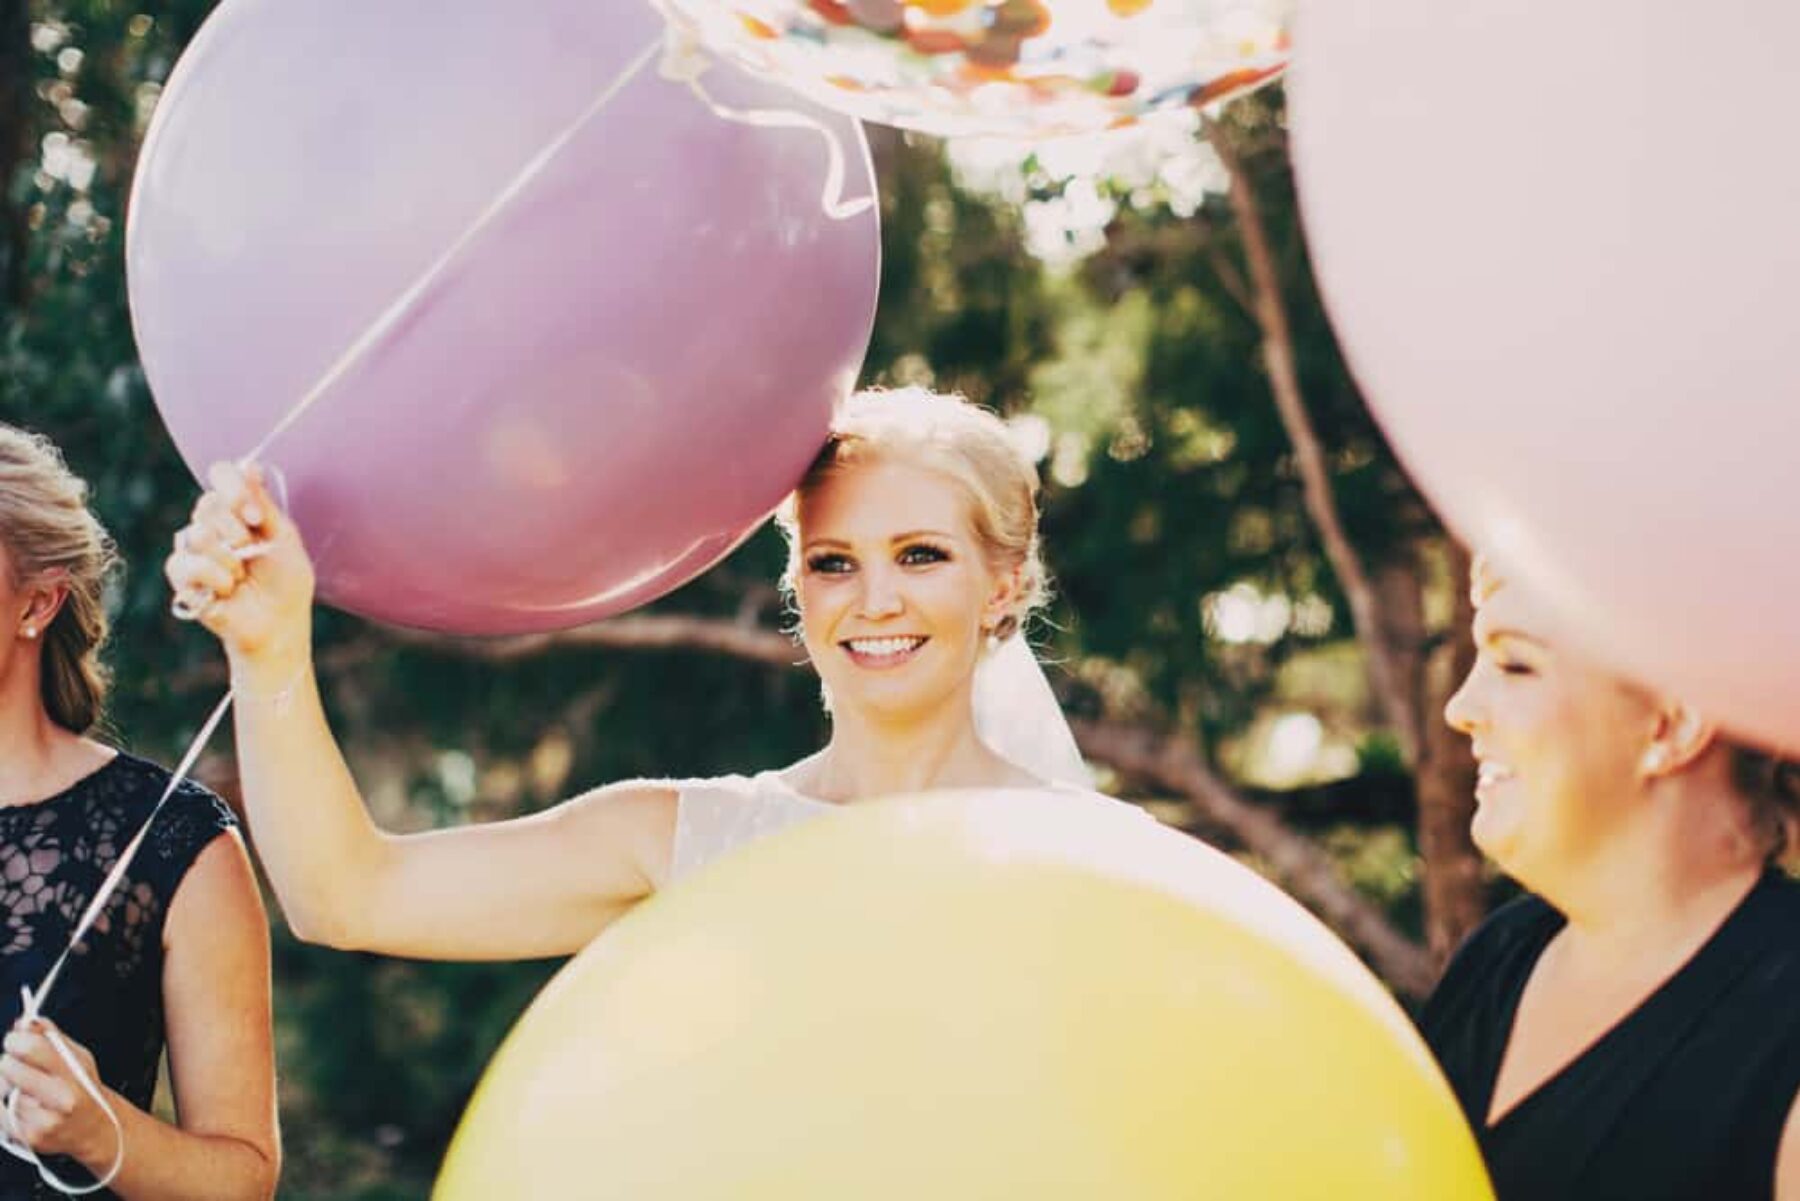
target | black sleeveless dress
[
  {"x": 1683, "y": 1100},
  {"x": 54, "y": 854}
]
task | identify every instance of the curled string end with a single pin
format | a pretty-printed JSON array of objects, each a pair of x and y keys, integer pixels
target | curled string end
[
  {"x": 677, "y": 65},
  {"x": 683, "y": 59}
]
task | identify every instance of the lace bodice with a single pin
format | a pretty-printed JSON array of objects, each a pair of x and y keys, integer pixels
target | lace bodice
[
  {"x": 54, "y": 853},
  {"x": 721, "y": 813},
  {"x": 716, "y": 815}
]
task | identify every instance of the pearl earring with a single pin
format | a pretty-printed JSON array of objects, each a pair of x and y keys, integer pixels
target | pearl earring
[{"x": 31, "y": 631}]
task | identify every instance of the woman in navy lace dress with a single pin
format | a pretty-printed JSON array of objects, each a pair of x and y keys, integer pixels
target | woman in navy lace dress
[{"x": 179, "y": 955}]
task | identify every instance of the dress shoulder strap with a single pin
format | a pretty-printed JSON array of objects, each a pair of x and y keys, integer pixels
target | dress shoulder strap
[{"x": 721, "y": 813}]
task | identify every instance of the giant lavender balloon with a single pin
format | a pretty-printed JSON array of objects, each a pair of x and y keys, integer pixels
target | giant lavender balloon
[{"x": 600, "y": 393}]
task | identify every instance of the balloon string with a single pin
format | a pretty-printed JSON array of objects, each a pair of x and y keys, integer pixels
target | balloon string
[
  {"x": 13, "y": 1140},
  {"x": 393, "y": 315},
  {"x": 684, "y": 62},
  {"x": 834, "y": 205},
  {"x": 390, "y": 317},
  {"x": 33, "y": 1001},
  {"x": 407, "y": 300}
]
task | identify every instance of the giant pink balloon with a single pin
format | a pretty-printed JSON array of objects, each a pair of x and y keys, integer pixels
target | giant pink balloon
[
  {"x": 606, "y": 389},
  {"x": 1561, "y": 243}
]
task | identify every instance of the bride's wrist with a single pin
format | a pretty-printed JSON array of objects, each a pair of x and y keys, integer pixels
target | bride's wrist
[{"x": 271, "y": 673}]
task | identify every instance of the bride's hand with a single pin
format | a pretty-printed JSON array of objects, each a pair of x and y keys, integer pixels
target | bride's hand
[{"x": 239, "y": 568}]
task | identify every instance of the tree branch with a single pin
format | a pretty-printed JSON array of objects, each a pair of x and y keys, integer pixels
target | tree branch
[
  {"x": 647, "y": 631},
  {"x": 1452, "y": 879},
  {"x": 1309, "y": 454},
  {"x": 1174, "y": 765},
  {"x": 1230, "y": 277},
  {"x": 1170, "y": 764}
]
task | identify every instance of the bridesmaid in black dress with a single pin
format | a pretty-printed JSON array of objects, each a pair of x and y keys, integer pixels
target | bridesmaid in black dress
[
  {"x": 1631, "y": 1027},
  {"x": 178, "y": 956}
]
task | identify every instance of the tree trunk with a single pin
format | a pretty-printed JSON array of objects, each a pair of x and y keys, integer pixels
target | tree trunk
[
  {"x": 1270, "y": 310},
  {"x": 1454, "y": 886},
  {"x": 1388, "y": 614},
  {"x": 15, "y": 146},
  {"x": 1296, "y": 864}
]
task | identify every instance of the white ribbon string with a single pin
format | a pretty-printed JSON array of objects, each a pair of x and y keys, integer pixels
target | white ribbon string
[
  {"x": 13, "y": 1140},
  {"x": 403, "y": 304},
  {"x": 834, "y": 206},
  {"x": 684, "y": 62},
  {"x": 33, "y": 1005}
]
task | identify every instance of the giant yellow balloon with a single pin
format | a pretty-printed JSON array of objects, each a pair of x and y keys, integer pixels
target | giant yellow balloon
[{"x": 1006, "y": 996}]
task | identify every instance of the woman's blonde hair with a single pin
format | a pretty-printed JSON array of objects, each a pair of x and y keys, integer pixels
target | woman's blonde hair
[
  {"x": 48, "y": 532},
  {"x": 970, "y": 445}
]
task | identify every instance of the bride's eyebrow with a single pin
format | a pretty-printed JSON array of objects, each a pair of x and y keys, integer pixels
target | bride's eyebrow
[{"x": 895, "y": 540}]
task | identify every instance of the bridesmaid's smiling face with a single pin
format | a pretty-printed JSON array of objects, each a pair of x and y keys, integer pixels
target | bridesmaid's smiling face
[{"x": 1560, "y": 740}]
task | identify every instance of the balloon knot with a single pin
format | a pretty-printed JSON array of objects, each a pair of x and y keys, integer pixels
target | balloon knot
[{"x": 683, "y": 59}]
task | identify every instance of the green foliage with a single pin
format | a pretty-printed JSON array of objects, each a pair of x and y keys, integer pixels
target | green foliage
[
  {"x": 1169, "y": 483},
  {"x": 1190, "y": 487}
]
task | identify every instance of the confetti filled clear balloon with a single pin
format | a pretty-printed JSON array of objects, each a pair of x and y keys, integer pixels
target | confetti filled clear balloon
[{"x": 1014, "y": 68}]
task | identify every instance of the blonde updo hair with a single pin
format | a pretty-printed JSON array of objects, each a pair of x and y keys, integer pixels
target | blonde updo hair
[
  {"x": 46, "y": 529},
  {"x": 968, "y": 444}
]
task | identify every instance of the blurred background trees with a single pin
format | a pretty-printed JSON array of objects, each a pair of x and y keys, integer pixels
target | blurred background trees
[{"x": 1257, "y": 620}]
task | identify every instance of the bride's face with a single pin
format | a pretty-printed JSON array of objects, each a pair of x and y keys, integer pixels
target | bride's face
[{"x": 895, "y": 594}]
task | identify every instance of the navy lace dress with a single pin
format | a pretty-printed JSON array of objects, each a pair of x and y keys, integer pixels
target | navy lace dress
[{"x": 54, "y": 854}]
